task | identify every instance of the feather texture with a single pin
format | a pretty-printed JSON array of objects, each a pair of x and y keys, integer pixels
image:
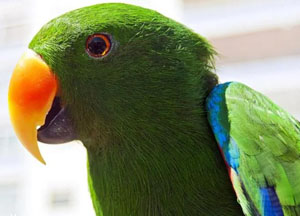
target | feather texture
[
  {"x": 140, "y": 111},
  {"x": 261, "y": 145}
]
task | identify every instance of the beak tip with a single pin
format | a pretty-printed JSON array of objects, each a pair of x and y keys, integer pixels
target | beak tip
[
  {"x": 35, "y": 152},
  {"x": 41, "y": 159}
]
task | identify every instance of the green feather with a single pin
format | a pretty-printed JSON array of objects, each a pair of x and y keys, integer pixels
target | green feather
[
  {"x": 268, "y": 139},
  {"x": 140, "y": 111}
]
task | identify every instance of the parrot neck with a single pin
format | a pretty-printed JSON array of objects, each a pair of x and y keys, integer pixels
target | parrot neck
[{"x": 177, "y": 172}]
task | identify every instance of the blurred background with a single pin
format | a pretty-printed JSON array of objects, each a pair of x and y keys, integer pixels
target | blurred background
[{"x": 258, "y": 44}]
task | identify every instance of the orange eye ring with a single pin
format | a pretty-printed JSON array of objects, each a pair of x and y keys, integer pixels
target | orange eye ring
[{"x": 98, "y": 45}]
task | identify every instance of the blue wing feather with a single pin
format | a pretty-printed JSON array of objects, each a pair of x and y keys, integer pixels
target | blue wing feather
[
  {"x": 218, "y": 118},
  {"x": 220, "y": 123},
  {"x": 270, "y": 202}
]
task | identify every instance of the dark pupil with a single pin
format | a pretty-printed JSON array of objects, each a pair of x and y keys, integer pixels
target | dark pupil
[{"x": 97, "y": 46}]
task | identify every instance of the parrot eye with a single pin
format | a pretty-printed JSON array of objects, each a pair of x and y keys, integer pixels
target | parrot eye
[{"x": 98, "y": 45}]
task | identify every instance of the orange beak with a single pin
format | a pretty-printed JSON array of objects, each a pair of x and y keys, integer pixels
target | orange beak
[{"x": 31, "y": 92}]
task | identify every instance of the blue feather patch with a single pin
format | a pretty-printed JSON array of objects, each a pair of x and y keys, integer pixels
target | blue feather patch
[
  {"x": 232, "y": 154},
  {"x": 214, "y": 102},
  {"x": 270, "y": 202},
  {"x": 218, "y": 118}
]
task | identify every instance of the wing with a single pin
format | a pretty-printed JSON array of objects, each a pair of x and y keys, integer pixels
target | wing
[{"x": 260, "y": 143}]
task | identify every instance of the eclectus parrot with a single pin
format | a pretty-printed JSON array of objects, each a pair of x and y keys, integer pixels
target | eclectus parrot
[{"x": 139, "y": 90}]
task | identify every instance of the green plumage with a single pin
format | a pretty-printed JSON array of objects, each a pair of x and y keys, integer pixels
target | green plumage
[
  {"x": 140, "y": 112},
  {"x": 269, "y": 144}
]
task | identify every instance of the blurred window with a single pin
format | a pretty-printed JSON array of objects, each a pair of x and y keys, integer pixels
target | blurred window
[
  {"x": 60, "y": 199},
  {"x": 9, "y": 149},
  {"x": 8, "y": 199}
]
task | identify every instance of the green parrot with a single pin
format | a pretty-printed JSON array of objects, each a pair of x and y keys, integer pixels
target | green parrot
[{"x": 162, "y": 136}]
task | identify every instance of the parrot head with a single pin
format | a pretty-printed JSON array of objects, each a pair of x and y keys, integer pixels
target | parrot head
[{"x": 107, "y": 72}]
